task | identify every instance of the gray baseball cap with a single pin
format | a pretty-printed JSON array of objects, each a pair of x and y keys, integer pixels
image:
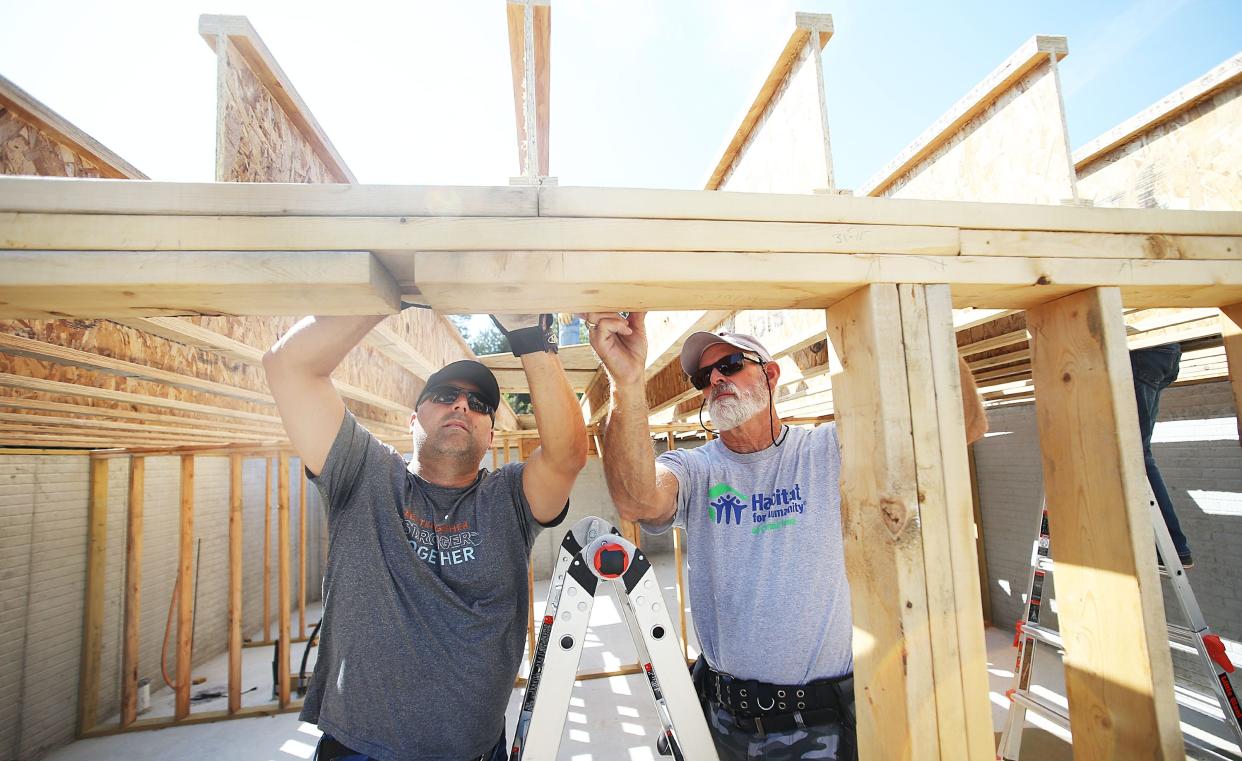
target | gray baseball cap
[{"x": 692, "y": 350}]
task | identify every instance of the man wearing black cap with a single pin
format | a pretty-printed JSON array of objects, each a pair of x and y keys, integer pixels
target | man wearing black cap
[
  {"x": 761, "y": 507},
  {"x": 425, "y": 588}
]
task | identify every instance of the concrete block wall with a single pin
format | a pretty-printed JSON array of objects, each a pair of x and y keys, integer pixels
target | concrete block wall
[
  {"x": 43, "y": 510},
  {"x": 1196, "y": 446}
]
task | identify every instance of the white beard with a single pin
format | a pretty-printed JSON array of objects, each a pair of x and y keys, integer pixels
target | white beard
[{"x": 730, "y": 413}]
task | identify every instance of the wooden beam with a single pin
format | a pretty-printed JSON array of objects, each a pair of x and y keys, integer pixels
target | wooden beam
[
  {"x": 236, "y": 571},
  {"x": 48, "y": 352},
  {"x": 133, "y": 590},
  {"x": 239, "y": 32},
  {"x": 1119, "y": 680},
  {"x": 225, "y": 427},
  {"x": 57, "y": 284},
  {"x": 302, "y": 483},
  {"x": 1231, "y": 327},
  {"x": 903, "y": 508},
  {"x": 105, "y": 198},
  {"x": 811, "y": 31},
  {"x": 267, "y": 547},
  {"x": 24, "y": 105},
  {"x": 284, "y": 598},
  {"x": 184, "y": 434},
  {"x": 92, "y": 610},
  {"x": 603, "y": 281},
  {"x": 530, "y": 31},
  {"x": 185, "y": 598},
  {"x": 1034, "y": 53}
]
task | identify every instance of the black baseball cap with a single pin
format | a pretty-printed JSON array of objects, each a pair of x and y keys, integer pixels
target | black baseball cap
[{"x": 467, "y": 370}]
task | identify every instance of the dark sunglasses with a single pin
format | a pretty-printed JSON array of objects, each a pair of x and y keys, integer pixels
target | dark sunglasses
[
  {"x": 450, "y": 394},
  {"x": 727, "y": 365}
]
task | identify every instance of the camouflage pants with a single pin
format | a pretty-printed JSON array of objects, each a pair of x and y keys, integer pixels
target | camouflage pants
[{"x": 736, "y": 744}]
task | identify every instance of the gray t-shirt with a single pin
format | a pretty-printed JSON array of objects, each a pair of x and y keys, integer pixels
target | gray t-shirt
[
  {"x": 424, "y": 613},
  {"x": 766, "y": 563}
]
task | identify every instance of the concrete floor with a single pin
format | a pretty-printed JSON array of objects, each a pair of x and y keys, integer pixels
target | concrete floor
[{"x": 610, "y": 718}]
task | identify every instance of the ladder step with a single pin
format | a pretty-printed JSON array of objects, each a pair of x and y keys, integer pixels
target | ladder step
[
  {"x": 1180, "y": 637},
  {"x": 1034, "y": 702}
]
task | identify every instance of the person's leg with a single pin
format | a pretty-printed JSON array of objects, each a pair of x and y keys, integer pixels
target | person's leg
[
  {"x": 329, "y": 749},
  {"x": 1154, "y": 369},
  {"x": 822, "y": 742},
  {"x": 731, "y": 743}
]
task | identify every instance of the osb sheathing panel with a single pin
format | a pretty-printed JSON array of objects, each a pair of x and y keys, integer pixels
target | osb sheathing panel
[
  {"x": 1191, "y": 161},
  {"x": 363, "y": 366},
  {"x": 787, "y": 150},
  {"x": 26, "y": 149},
  {"x": 258, "y": 142},
  {"x": 1014, "y": 151}
]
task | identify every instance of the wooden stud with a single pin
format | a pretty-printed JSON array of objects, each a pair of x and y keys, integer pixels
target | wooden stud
[
  {"x": 899, "y": 513},
  {"x": 681, "y": 582},
  {"x": 1231, "y": 331},
  {"x": 284, "y": 600},
  {"x": 133, "y": 589},
  {"x": 236, "y": 572},
  {"x": 92, "y": 618},
  {"x": 185, "y": 599},
  {"x": 267, "y": 547},
  {"x": 1118, "y": 678},
  {"x": 980, "y": 545},
  {"x": 302, "y": 483}
]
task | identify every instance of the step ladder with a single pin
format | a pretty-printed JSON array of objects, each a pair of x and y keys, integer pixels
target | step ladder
[
  {"x": 1031, "y": 634},
  {"x": 592, "y": 552}
]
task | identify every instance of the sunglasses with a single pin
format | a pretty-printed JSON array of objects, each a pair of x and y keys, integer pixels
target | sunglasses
[
  {"x": 727, "y": 365},
  {"x": 450, "y": 394}
]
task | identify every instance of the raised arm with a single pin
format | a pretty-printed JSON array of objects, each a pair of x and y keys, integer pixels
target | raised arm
[
  {"x": 299, "y": 369},
  {"x": 972, "y": 405},
  {"x": 641, "y": 489},
  {"x": 551, "y": 469}
]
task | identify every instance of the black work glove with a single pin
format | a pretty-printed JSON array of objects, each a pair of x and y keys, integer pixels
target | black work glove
[{"x": 528, "y": 333}]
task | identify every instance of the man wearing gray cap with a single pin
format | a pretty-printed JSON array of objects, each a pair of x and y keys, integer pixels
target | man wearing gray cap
[
  {"x": 425, "y": 587},
  {"x": 761, "y": 507}
]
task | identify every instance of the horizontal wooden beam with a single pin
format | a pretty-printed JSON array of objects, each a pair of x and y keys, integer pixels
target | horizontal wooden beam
[
  {"x": 600, "y": 281},
  {"x": 80, "y": 410},
  {"x": 42, "y": 284},
  {"x": 104, "y": 197}
]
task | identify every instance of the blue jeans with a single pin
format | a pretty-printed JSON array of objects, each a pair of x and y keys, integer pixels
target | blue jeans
[{"x": 1154, "y": 369}]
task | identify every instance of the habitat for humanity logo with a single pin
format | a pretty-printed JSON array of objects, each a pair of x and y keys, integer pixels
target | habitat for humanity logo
[
  {"x": 726, "y": 504},
  {"x": 768, "y": 512}
]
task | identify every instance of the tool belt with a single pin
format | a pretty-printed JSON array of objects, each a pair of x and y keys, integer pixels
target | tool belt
[{"x": 762, "y": 707}]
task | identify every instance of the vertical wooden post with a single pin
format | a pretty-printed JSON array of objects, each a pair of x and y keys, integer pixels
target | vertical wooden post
[
  {"x": 1118, "y": 671},
  {"x": 301, "y": 555},
  {"x": 681, "y": 589},
  {"x": 92, "y": 618},
  {"x": 1231, "y": 330},
  {"x": 919, "y": 658},
  {"x": 235, "y": 581},
  {"x": 185, "y": 598},
  {"x": 133, "y": 587},
  {"x": 283, "y": 595},
  {"x": 267, "y": 549}
]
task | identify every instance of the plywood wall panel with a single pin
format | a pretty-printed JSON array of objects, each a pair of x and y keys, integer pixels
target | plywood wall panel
[
  {"x": 1191, "y": 161},
  {"x": 787, "y": 150},
  {"x": 1014, "y": 151},
  {"x": 26, "y": 149},
  {"x": 258, "y": 142}
]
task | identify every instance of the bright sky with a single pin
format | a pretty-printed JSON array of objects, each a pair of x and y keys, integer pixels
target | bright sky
[{"x": 644, "y": 92}]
